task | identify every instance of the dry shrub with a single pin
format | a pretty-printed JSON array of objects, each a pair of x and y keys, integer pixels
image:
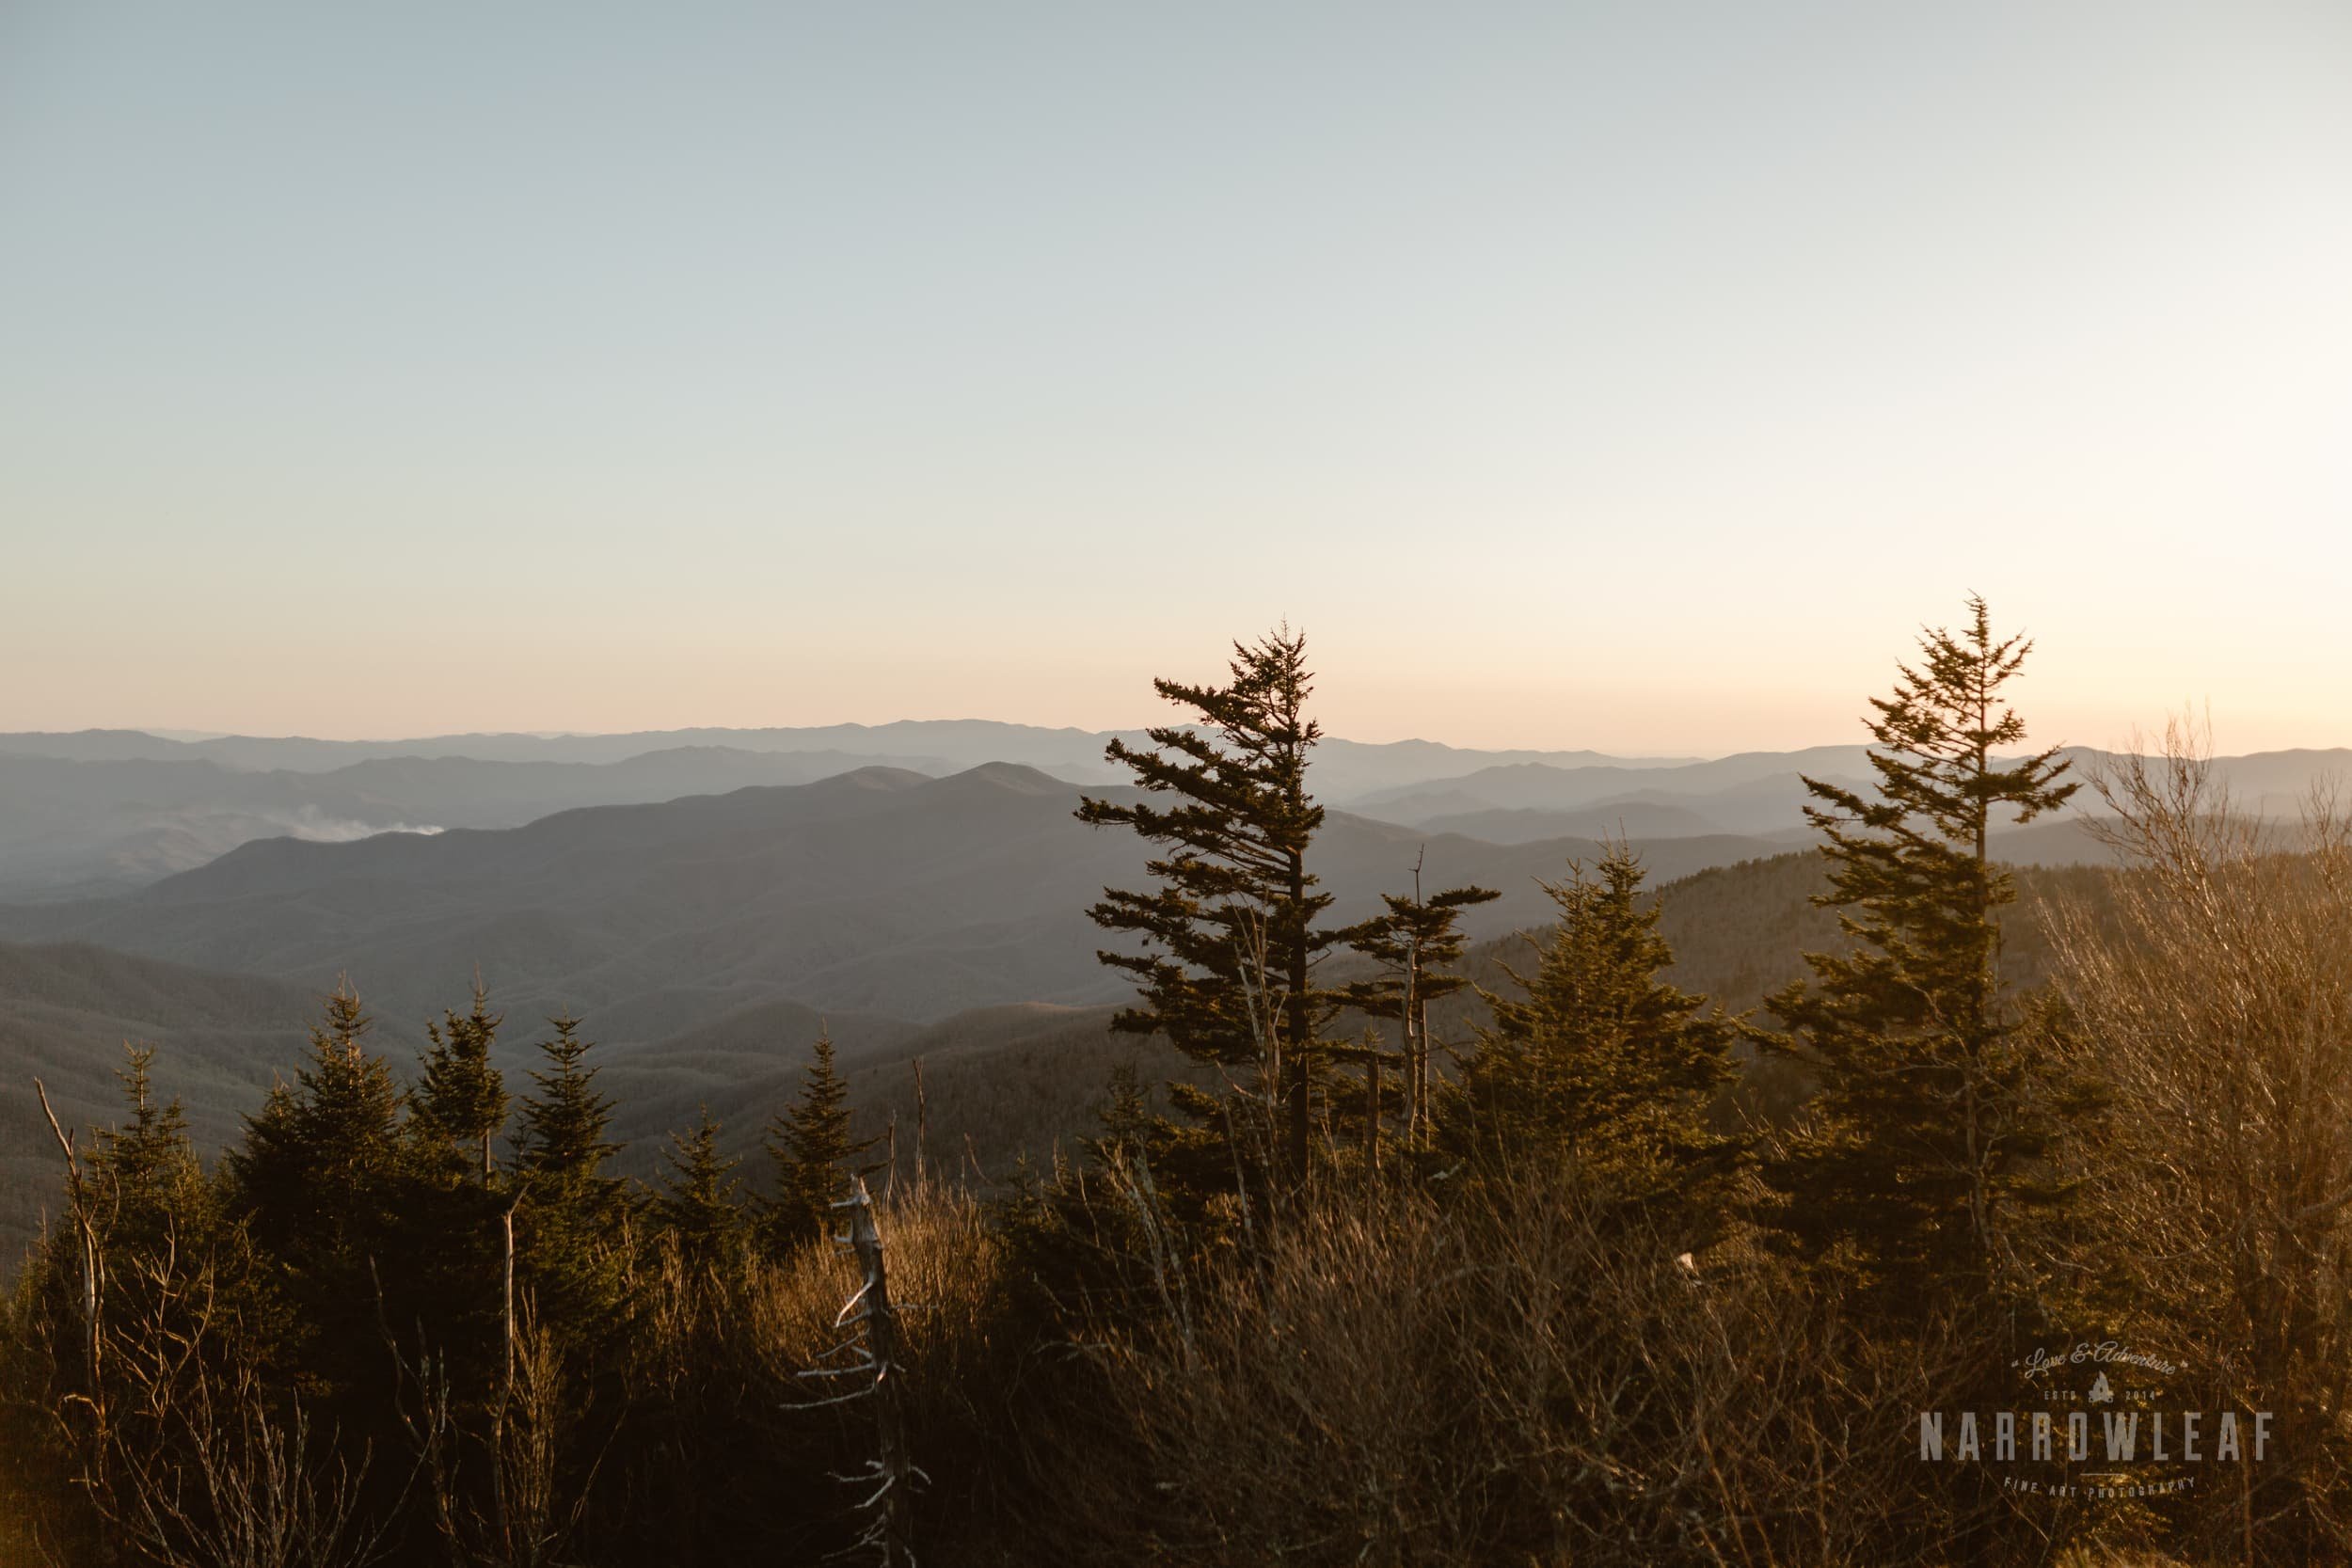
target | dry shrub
[
  {"x": 182, "y": 1454},
  {"x": 2214, "y": 1004},
  {"x": 1524, "y": 1376}
]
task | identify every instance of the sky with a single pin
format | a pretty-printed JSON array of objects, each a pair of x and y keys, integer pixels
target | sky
[{"x": 1636, "y": 377}]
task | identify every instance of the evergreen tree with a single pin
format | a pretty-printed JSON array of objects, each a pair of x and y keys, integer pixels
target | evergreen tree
[
  {"x": 1927, "y": 1123},
  {"x": 572, "y": 1226},
  {"x": 1229, "y": 938},
  {"x": 320, "y": 1158},
  {"x": 1414, "y": 942},
  {"x": 1603, "y": 1058},
  {"x": 810, "y": 1146},
  {"x": 462, "y": 1097},
  {"x": 1124, "y": 1115},
  {"x": 1087, "y": 1242},
  {"x": 328, "y": 1187},
  {"x": 700, "y": 1202},
  {"x": 152, "y": 1186},
  {"x": 156, "y": 1215},
  {"x": 564, "y": 1124}
]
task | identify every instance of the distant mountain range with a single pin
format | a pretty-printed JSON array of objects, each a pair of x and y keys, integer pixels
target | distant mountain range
[
  {"x": 880, "y": 890},
  {"x": 1349, "y": 767},
  {"x": 1757, "y": 793},
  {"x": 99, "y": 813},
  {"x": 92, "y": 828}
]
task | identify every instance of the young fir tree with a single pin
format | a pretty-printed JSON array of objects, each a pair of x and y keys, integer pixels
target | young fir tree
[
  {"x": 463, "y": 1098},
  {"x": 1228, "y": 939},
  {"x": 1927, "y": 1123},
  {"x": 562, "y": 1139},
  {"x": 700, "y": 1198},
  {"x": 571, "y": 1229},
  {"x": 1123, "y": 1116},
  {"x": 145, "y": 1171},
  {"x": 1414, "y": 942},
  {"x": 810, "y": 1146},
  {"x": 321, "y": 1159},
  {"x": 1604, "y": 1059},
  {"x": 326, "y": 1186},
  {"x": 157, "y": 1214},
  {"x": 1086, "y": 1241}
]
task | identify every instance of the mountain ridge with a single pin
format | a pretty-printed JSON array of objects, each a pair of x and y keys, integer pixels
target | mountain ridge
[{"x": 880, "y": 890}]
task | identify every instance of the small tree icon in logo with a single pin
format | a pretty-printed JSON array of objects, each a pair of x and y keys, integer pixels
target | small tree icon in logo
[{"x": 2101, "y": 1391}]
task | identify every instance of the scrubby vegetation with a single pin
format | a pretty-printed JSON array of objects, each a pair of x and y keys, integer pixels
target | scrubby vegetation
[{"x": 1410, "y": 1264}]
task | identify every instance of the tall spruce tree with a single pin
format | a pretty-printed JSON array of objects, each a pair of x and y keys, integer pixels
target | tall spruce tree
[
  {"x": 1229, "y": 938},
  {"x": 808, "y": 1143},
  {"x": 462, "y": 1098},
  {"x": 1602, "y": 1058},
  {"x": 1925, "y": 1130}
]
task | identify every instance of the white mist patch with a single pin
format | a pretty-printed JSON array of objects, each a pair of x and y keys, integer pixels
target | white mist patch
[{"x": 319, "y": 828}]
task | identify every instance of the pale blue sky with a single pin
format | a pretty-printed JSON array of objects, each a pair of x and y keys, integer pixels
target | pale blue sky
[{"x": 1632, "y": 377}]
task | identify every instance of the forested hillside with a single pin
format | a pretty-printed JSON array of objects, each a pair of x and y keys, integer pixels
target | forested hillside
[
  {"x": 66, "y": 1011},
  {"x": 1014, "y": 1079}
]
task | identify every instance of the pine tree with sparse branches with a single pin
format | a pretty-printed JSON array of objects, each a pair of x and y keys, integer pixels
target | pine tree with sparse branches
[
  {"x": 1924, "y": 1137},
  {"x": 1415, "y": 942},
  {"x": 1226, "y": 943}
]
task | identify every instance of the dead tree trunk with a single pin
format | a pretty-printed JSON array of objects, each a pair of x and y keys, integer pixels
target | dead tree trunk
[
  {"x": 882, "y": 1342},
  {"x": 93, "y": 1281},
  {"x": 922, "y": 1125},
  {"x": 1416, "y": 1030},
  {"x": 506, "y": 1383},
  {"x": 872, "y": 1319}
]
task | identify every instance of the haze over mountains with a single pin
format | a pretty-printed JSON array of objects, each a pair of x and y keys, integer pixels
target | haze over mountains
[
  {"x": 1351, "y": 765},
  {"x": 99, "y": 812},
  {"x": 102, "y": 812},
  {"x": 880, "y": 890}
]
